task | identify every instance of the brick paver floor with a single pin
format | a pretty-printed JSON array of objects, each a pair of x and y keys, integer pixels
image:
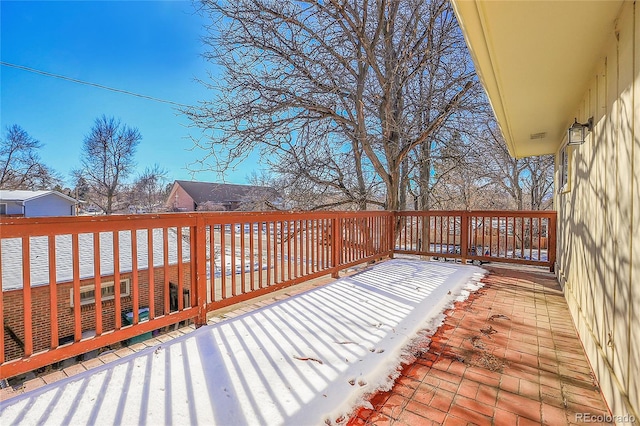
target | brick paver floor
[{"x": 509, "y": 355}]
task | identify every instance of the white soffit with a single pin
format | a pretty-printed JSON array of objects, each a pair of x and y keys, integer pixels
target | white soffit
[{"x": 535, "y": 60}]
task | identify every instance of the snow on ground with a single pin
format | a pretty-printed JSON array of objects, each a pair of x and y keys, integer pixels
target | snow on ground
[{"x": 309, "y": 359}]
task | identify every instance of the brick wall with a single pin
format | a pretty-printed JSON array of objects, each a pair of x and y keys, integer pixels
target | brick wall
[
  {"x": 40, "y": 309},
  {"x": 181, "y": 201}
]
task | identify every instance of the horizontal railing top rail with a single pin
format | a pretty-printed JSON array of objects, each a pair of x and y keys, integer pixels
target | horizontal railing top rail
[
  {"x": 71, "y": 285},
  {"x": 12, "y": 227},
  {"x": 493, "y": 213}
]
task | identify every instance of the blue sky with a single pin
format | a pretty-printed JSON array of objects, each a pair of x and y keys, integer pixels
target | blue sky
[{"x": 147, "y": 47}]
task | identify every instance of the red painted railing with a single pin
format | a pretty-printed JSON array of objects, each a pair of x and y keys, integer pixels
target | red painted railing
[
  {"x": 524, "y": 237},
  {"x": 199, "y": 262},
  {"x": 177, "y": 267}
]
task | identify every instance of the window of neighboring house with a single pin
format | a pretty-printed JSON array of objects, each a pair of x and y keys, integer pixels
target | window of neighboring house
[
  {"x": 564, "y": 169},
  {"x": 88, "y": 295},
  {"x": 3, "y": 208}
]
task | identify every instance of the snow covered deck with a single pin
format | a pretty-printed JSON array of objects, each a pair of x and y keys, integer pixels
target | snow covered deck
[{"x": 308, "y": 359}]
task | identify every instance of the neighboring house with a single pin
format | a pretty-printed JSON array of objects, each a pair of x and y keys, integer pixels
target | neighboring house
[
  {"x": 36, "y": 203},
  {"x": 12, "y": 283},
  {"x": 545, "y": 65},
  {"x": 186, "y": 196}
]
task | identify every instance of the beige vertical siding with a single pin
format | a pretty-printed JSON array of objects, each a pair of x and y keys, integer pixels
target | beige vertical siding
[{"x": 599, "y": 220}]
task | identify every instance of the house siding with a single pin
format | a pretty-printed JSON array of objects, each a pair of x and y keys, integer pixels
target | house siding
[
  {"x": 48, "y": 205},
  {"x": 13, "y": 308},
  {"x": 599, "y": 219},
  {"x": 13, "y": 208}
]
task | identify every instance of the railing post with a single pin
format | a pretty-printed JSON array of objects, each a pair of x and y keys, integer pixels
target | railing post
[
  {"x": 336, "y": 233},
  {"x": 391, "y": 236},
  {"x": 552, "y": 241},
  {"x": 201, "y": 271},
  {"x": 464, "y": 236}
]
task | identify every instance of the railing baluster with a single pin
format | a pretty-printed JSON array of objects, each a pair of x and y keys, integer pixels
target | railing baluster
[
  {"x": 151, "y": 274},
  {"x": 26, "y": 297},
  {"x": 540, "y": 238},
  {"x": 441, "y": 240},
  {"x": 456, "y": 231},
  {"x": 513, "y": 236},
  {"x": 243, "y": 257},
  {"x": 115, "y": 235},
  {"x": 282, "y": 256},
  {"x": 404, "y": 231},
  {"x": 165, "y": 270},
  {"x": 77, "y": 318},
  {"x": 296, "y": 254},
  {"x": 303, "y": 256},
  {"x": 484, "y": 231},
  {"x": 327, "y": 240},
  {"x": 321, "y": 239},
  {"x": 499, "y": 235},
  {"x": 260, "y": 255},
  {"x": 135, "y": 292},
  {"x": 180, "y": 270},
  {"x": 530, "y": 238},
  {"x": 348, "y": 227},
  {"x": 522, "y": 237},
  {"x": 276, "y": 251},
  {"x": 270, "y": 262},
  {"x": 491, "y": 251},
  {"x": 53, "y": 296},
  {"x": 97, "y": 282},
  {"x": 416, "y": 239},
  {"x": 194, "y": 261},
  {"x": 289, "y": 257},
  {"x": 252, "y": 262},
  {"x": 234, "y": 272}
]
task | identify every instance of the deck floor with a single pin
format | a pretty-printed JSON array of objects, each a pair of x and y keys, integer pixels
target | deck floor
[
  {"x": 508, "y": 355},
  {"x": 309, "y": 359}
]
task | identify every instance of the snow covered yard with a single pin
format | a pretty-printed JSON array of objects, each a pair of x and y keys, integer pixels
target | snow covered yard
[{"x": 309, "y": 359}]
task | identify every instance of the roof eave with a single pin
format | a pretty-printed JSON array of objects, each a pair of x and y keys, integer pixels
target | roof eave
[{"x": 528, "y": 59}]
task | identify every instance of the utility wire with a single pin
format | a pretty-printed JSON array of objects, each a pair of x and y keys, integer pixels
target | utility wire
[{"x": 99, "y": 86}]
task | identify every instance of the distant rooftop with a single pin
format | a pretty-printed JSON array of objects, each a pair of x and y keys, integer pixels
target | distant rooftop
[
  {"x": 25, "y": 195},
  {"x": 201, "y": 192}
]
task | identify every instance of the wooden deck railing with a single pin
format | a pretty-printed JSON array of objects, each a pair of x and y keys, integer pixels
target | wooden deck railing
[
  {"x": 525, "y": 237},
  {"x": 118, "y": 277}
]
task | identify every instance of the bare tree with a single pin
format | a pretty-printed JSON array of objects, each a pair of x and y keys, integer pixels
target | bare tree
[
  {"x": 527, "y": 181},
  {"x": 149, "y": 190},
  {"x": 107, "y": 159},
  {"x": 457, "y": 180},
  {"x": 539, "y": 182},
  {"x": 20, "y": 163},
  {"x": 325, "y": 89}
]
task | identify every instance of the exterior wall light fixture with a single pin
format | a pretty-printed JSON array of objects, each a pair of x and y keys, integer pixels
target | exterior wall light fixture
[{"x": 578, "y": 131}]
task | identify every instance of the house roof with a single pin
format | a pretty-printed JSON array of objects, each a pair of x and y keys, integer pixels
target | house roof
[
  {"x": 202, "y": 192},
  {"x": 12, "y": 256},
  {"x": 23, "y": 195},
  {"x": 535, "y": 60}
]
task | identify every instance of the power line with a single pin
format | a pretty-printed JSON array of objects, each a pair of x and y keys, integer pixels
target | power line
[{"x": 99, "y": 86}]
